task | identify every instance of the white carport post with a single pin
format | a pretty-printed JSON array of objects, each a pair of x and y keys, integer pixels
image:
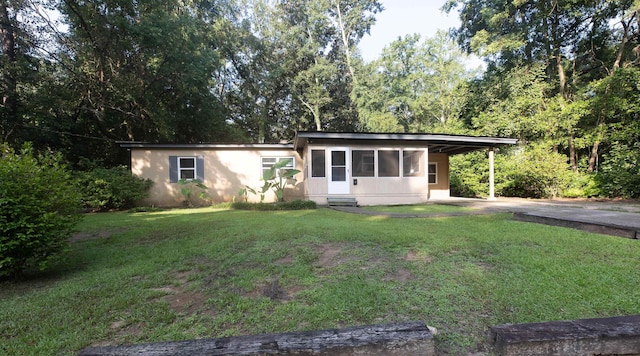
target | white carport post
[
  {"x": 426, "y": 171},
  {"x": 492, "y": 189}
]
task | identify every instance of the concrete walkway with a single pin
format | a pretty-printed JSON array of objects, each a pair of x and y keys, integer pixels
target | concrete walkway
[{"x": 618, "y": 218}]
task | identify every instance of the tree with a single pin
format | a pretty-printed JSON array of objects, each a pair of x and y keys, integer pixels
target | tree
[
  {"x": 353, "y": 19},
  {"x": 570, "y": 44},
  {"x": 25, "y": 68},
  {"x": 140, "y": 70},
  {"x": 9, "y": 118},
  {"x": 416, "y": 85},
  {"x": 617, "y": 98}
]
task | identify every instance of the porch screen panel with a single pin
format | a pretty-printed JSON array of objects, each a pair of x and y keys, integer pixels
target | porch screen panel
[
  {"x": 318, "y": 164},
  {"x": 338, "y": 166},
  {"x": 388, "y": 163},
  {"x": 412, "y": 162},
  {"x": 362, "y": 163}
]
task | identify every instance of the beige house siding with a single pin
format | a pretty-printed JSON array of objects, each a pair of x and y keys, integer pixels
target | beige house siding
[
  {"x": 225, "y": 172},
  {"x": 380, "y": 190},
  {"x": 440, "y": 190}
]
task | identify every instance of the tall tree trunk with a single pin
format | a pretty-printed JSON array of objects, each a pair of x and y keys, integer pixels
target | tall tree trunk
[
  {"x": 593, "y": 156},
  {"x": 562, "y": 77},
  {"x": 572, "y": 152},
  {"x": 557, "y": 51},
  {"x": 623, "y": 41},
  {"x": 262, "y": 121},
  {"x": 9, "y": 83},
  {"x": 346, "y": 44},
  {"x": 314, "y": 109}
]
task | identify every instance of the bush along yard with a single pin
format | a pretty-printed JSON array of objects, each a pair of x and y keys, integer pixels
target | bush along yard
[{"x": 201, "y": 273}]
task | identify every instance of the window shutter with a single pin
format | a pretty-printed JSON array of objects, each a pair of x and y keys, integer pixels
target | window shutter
[
  {"x": 173, "y": 169},
  {"x": 200, "y": 168}
]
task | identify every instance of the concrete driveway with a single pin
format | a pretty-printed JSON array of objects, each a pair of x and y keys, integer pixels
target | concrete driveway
[
  {"x": 528, "y": 205},
  {"x": 611, "y": 217}
]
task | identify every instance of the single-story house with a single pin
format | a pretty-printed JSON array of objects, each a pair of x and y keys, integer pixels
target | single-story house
[{"x": 370, "y": 168}]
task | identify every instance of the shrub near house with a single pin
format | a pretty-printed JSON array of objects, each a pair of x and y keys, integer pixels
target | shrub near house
[
  {"x": 112, "y": 188},
  {"x": 39, "y": 206}
]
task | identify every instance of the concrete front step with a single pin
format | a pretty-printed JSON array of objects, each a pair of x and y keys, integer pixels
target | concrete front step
[{"x": 341, "y": 201}]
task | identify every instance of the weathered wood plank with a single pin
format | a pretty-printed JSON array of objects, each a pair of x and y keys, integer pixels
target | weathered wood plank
[
  {"x": 600, "y": 336},
  {"x": 412, "y": 338}
]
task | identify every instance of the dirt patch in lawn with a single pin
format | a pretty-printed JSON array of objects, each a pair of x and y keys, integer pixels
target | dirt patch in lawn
[
  {"x": 274, "y": 289},
  {"x": 402, "y": 275},
  {"x": 180, "y": 298},
  {"x": 415, "y": 256},
  {"x": 187, "y": 302},
  {"x": 328, "y": 255},
  {"x": 285, "y": 261},
  {"x": 96, "y": 235}
]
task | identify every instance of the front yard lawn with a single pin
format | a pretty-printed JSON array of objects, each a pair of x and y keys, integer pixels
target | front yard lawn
[
  {"x": 419, "y": 209},
  {"x": 200, "y": 273}
]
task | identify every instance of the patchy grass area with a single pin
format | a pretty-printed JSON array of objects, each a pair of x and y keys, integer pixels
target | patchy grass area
[
  {"x": 184, "y": 274},
  {"x": 419, "y": 208}
]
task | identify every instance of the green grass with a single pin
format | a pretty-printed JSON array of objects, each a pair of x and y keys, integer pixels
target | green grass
[
  {"x": 419, "y": 208},
  {"x": 184, "y": 274}
]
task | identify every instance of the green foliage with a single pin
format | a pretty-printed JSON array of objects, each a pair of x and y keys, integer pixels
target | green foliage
[
  {"x": 619, "y": 174},
  {"x": 275, "y": 178},
  {"x": 518, "y": 110},
  {"x": 112, "y": 188},
  {"x": 145, "y": 209},
  {"x": 39, "y": 206},
  {"x": 582, "y": 185},
  {"x": 469, "y": 175},
  {"x": 532, "y": 171},
  {"x": 417, "y": 85},
  {"x": 190, "y": 186},
  {"x": 285, "y": 205},
  {"x": 261, "y": 191},
  {"x": 537, "y": 172},
  {"x": 136, "y": 70}
]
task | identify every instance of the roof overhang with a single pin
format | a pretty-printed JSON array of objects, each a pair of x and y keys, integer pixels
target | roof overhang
[
  {"x": 449, "y": 144},
  {"x": 208, "y": 146}
]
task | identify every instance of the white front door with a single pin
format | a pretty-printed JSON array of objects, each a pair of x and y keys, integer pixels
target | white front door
[{"x": 338, "y": 171}]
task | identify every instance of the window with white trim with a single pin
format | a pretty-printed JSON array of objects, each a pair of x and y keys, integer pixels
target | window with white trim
[
  {"x": 268, "y": 162},
  {"x": 187, "y": 168},
  {"x": 433, "y": 173}
]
